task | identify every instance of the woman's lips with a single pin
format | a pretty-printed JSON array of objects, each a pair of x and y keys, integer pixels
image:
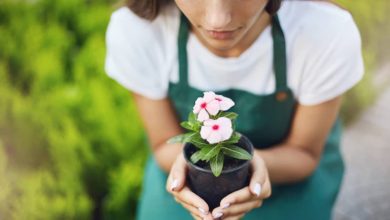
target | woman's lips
[{"x": 221, "y": 35}]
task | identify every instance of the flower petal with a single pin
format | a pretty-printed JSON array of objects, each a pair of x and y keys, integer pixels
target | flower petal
[
  {"x": 205, "y": 132},
  {"x": 208, "y": 96},
  {"x": 224, "y": 122},
  {"x": 213, "y": 107},
  {"x": 209, "y": 122},
  {"x": 214, "y": 137},
  {"x": 197, "y": 105},
  {"x": 226, "y": 133},
  {"x": 203, "y": 115},
  {"x": 225, "y": 103}
]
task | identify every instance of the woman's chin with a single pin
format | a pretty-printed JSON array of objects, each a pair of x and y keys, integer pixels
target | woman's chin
[{"x": 224, "y": 47}]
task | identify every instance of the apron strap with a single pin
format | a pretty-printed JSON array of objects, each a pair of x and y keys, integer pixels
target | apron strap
[
  {"x": 182, "y": 52},
  {"x": 279, "y": 55},
  {"x": 279, "y": 59}
]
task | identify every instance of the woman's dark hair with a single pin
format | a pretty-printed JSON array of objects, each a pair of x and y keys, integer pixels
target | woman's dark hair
[{"x": 149, "y": 9}]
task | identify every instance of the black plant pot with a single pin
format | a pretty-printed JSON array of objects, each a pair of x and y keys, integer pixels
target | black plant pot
[{"x": 235, "y": 175}]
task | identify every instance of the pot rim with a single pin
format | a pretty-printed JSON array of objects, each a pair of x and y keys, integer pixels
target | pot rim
[{"x": 223, "y": 171}]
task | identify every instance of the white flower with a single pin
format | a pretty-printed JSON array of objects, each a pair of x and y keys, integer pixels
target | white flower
[
  {"x": 211, "y": 104},
  {"x": 224, "y": 103},
  {"x": 206, "y": 105},
  {"x": 215, "y": 131}
]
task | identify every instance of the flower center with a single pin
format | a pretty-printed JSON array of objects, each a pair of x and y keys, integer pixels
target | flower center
[
  {"x": 203, "y": 105},
  {"x": 215, "y": 127}
]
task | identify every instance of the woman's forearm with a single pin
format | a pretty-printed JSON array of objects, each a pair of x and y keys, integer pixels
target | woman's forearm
[
  {"x": 287, "y": 164},
  {"x": 166, "y": 154},
  {"x": 284, "y": 164}
]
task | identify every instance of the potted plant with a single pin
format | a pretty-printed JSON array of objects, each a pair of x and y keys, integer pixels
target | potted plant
[{"x": 218, "y": 157}]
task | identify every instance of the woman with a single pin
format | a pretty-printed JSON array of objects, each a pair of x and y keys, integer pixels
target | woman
[{"x": 285, "y": 64}]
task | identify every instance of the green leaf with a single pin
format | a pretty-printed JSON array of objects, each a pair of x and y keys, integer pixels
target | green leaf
[
  {"x": 210, "y": 152},
  {"x": 192, "y": 117},
  {"x": 230, "y": 115},
  {"x": 196, "y": 157},
  {"x": 216, "y": 164},
  {"x": 186, "y": 125},
  {"x": 236, "y": 152},
  {"x": 192, "y": 124},
  {"x": 233, "y": 139},
  {"x": 196, "y": 126},
  {"x": 199, "y": 143},
  {"x": 190, "y": 136},
  {"x": 182, "y": 138},
  {"x": 203, "y": 152},
  {"x": 176, "y": 139}
]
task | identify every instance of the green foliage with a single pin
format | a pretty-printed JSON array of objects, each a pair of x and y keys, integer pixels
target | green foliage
[
  {"x": 372, "y": 20},
  {"x": 211, "y": 153},
  {"x": 236, "y": 152},
  {"x": 229, "y": 115},
  {"x": 71, "y": 141},
  {"x": 197, "y": 141},
  {"x": 361, "y": 96},
  {"x": 216, "y": 164},
  {"x": 233, "y": 139}
]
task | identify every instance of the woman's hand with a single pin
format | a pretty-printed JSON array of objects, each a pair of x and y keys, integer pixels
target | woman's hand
[
  {"x": 176, "y": 185},
  {"x": 234, "y": 205},
  {"x": 237, "y": 204}
]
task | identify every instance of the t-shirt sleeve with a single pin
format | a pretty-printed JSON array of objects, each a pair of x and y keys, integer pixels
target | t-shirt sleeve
[
  {"x": 334, "y": 62},
  {"x": 133, "y": 55}
]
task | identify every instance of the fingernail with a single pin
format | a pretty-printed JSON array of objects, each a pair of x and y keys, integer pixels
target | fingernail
[
  {"x": 174, "y": 184},
  {"x": 203, "y": 211},
  {"x": 257, "y": 189},
  {"x": 225, "y": 206},
  {"x": 218, "y": 215}
]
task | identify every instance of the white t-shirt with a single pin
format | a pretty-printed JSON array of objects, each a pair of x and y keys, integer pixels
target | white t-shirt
[{"x": 324, "y": 56}]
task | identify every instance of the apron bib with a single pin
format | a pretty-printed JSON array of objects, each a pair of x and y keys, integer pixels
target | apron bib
[{"x": 265, "y": 120}]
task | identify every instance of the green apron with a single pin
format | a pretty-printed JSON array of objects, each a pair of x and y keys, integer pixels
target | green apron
[{"x": 265, "y": 120}]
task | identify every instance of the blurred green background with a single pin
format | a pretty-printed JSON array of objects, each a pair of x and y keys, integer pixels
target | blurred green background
[{"x": 71, "y": 143}]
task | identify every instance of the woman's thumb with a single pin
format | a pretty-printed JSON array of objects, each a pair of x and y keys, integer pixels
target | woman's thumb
[
  {"x": 176, "y": 179},
  {"x": 258, "y": 176}
]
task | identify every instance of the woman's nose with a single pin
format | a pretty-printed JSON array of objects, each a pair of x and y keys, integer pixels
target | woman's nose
[{"x": 218, "y": 15}]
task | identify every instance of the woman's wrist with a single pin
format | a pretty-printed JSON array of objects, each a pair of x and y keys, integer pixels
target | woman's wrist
[
  {"x": 166, "y": 154},
  {"x": 287, "y": 164}
]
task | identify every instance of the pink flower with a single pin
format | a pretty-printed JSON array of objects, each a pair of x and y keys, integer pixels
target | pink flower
[
  {"x": 211, "y": 104},
  {"x": 215, "y": 131},
  {"x": 224, "y": 103},
  {"x": 206, "y": 105}
]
